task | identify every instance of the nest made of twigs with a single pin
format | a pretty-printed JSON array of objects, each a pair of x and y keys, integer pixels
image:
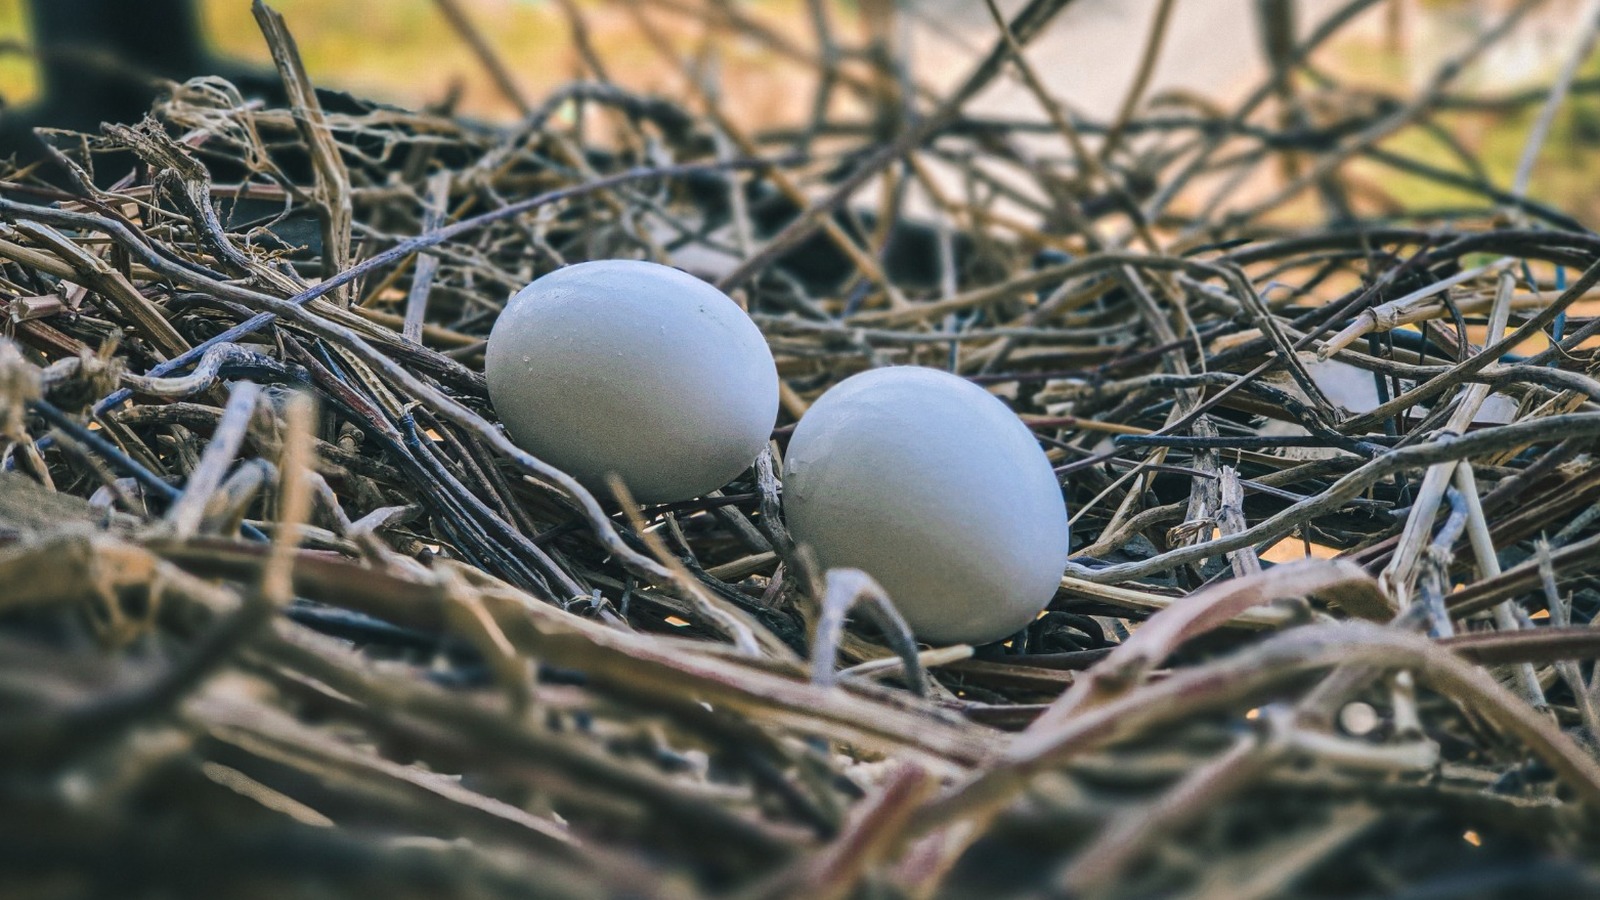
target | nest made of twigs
[{"x": 284, "y": 610}]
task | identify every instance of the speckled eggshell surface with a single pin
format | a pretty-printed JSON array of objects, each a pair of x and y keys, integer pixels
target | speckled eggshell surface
[
  {"x": 937, "y": 490},
  {"x": 635, "y": 368}
]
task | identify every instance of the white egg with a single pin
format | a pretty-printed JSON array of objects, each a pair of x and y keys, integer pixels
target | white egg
[
  {"x": 634, "y": 368},
  {"x": 937, "y": 490}
]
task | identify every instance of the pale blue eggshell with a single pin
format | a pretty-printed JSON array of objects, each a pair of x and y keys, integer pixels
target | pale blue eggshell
[
  {"x": 634, "y": 368},
  {"x": 936, "y": 489}
]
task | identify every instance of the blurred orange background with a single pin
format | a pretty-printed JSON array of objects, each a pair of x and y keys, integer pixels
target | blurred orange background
[{"x": 405, "y": 51}]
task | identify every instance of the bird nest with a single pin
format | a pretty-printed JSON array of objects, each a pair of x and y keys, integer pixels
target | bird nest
[{"x": 285, "y": 612}]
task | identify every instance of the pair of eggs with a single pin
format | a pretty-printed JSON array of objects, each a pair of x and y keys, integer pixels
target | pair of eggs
[{"x": 918, "y": 477}]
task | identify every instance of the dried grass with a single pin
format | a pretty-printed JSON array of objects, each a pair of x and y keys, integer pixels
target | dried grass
[{"x": 285, "y": 613}]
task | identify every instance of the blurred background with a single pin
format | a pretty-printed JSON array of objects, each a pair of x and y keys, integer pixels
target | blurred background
[{"x": 416, "y": 53}]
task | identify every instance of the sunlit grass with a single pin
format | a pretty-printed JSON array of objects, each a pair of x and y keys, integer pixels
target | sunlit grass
[
  {"x": 1561, "y": 176},
  {"x": 403, "y": 51},
  {"x": 19, "y": 80}
]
